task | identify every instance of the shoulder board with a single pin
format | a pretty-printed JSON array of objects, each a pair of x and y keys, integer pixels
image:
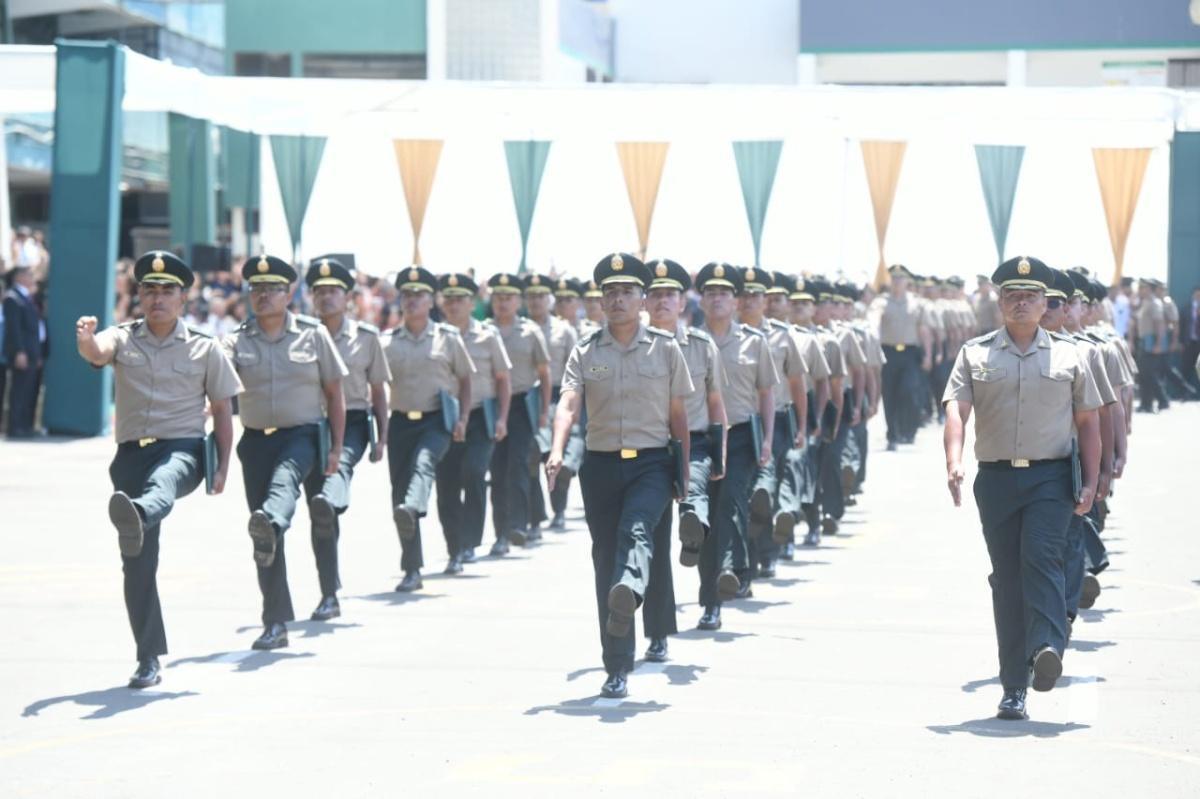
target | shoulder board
[
  {"x": 1062, "y": 337},
  {"x": 195, "y": 331},
  {"x": 448, "y": 328},
  {"x": 132, "y": 324},
  {"x": 592, "y": 337},
  {"x": 307, "y": 321},
  {"x": 696, "y": 333},
  {"x": 985, "y": 338},
  {"x": 775, "y": 323},
  {"x": 754, "y": 331},
  {"x": 244, "y": 325},
  {"x": 658, "y": 332},
  {"x": 1094, "y": 337},
  {"x": 370, "y": 328}
]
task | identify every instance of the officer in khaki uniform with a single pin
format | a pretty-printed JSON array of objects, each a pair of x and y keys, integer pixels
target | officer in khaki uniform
[
  {"x": 593, "y": 309},
  {"x": 293, "y": 377},
  {"x": 1028, "y": 387},
  {"x": 748, "y": 391},
  {"x": 854, "y": 456},
  {"x": 526, "y": 348},
  {"x": 430, "y": 365},
  {"x": 163, "y": 371},
  {"x": 769, "y": 494},
  {"x": 705, "y": 408},
  {"x": 560, "y": 340},
  {"x": 568, "y": 294},
  {"x": 462, "y": 474},
  {"x": 907, "y": 338},
  {"x": 365, "y": 392},
  {"x": 634, "y": 381}
]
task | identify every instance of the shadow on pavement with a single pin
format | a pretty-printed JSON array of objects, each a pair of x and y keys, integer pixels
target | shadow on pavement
[
  {"x": 783, "y": 582},
  {"x": 606, "y": 711},
  {"x": 996, "y": 728},
  {"x": 1090, "y": 646},
  {"x": 397, "y": 598},
  {"x": 311, "y": 629},
  {"x": 755, "y": 605},
  {"x": 718, "y": 636},
  {"x": 108, "y": 702},
  {"x": 676, "y": 673},
  {"x": 1063, "y": 682},
  {"x": 450, "y": 577},
  {"x": 1094, "y": 615},
  {"x": 246, "y": 659},
  {"x": 798, "y": 562}
]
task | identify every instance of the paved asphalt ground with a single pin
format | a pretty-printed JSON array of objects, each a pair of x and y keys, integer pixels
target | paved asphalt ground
[{"x": 867, "y": 668}]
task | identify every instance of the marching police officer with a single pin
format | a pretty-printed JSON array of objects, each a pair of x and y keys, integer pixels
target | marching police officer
[
  {"x": 365, "y": 392},
  {"x": 293, "y": 377},
  {"x": 462, "y": 474},
  {"x": 593, "y": 309},
  {"x": 431, "y": 405},
  {"x": 567, "y": 300},
  {"x": 1027, "y": 387},
  {"x": 526, "y": 348},
  {"x": 904, "y": 330},
  {"x": 163, "y": 371},
  {"x": 749, "y": 395},
  {"x": 706, "y": 418},
  {"x": 634, "y": 381}
]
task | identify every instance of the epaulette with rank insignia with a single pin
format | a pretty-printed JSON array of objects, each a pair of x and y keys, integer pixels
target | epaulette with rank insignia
[
  {"x": 593, "y": 337},
  {"x": 753, "y": 330},
  {"x": 658, "y": 332},
  {"x": 307, "y": 321},
  {"x": 195, "y": 331},
  {"x": 700, "y": 334},
  {"x": 370, "y": 328},
  {"x": 446, "y": 327},
  {"x": 132, "y": 324},
  {"x": 1061, "y": 336},
  {"x": 775, "y": 323},
  {"x": 985, "y": 338}
]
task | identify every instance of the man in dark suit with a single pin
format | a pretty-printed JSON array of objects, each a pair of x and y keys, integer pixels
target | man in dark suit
[
  {"x": 24, "y": 333},
  {"x": 1189, "y": 337}
]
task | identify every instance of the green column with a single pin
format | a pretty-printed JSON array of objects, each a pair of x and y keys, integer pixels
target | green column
[
  {"x": 192, "y": 175},
  {"x": 526, "y": 163},
  {"x": 84, "y": 217},
  {"x": 756, "y": 165},
  {"x": 999, "y": 170},
  {"x": 1183, "y": 265}
]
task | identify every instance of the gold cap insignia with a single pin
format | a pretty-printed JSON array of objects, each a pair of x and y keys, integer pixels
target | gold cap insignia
[
  {"x": 159, "y": 264},
  {"x": 413, "y": 274},
  {"x": 263, "y": 266},
  {"x": 504, "y": 280},
  {"x": 799, "y": 284},
  {"x": 618, "y": 263},
  {"x": 324, "y": 270},
  {"x": 661, "y": 269},
  {"x": 1023, "y": 268},
  {"x": 536, "y": 281},
  {"x": 562, "y": 284},
  {"x": 719, "y": 271},
  {"x": 453, "y": 281},
  {"x": 751, "y": 274}
]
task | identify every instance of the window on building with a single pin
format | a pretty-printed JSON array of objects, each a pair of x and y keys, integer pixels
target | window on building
[
  {"x": 262, "y": 65},
  {"x": 364, "y": 65}
]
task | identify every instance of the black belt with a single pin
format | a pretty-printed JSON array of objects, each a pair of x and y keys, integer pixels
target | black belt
[
  {"x": 270, "y": 431},
  {"x": 357, "y": 414},
  {"x": 900, "y": 347},
  {"x": 142, "y": 443},
  {"x": 1017, "y": 463},
  {"x": 698, "y": 435},
  {"x": 628, "y": 454}
]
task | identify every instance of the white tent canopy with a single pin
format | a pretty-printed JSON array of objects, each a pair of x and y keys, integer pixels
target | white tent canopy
[{"x": 820, "y": 214}]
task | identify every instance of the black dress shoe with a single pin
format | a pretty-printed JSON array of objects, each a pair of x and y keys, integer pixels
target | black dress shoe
[
  {"x": 146, "y": 675},
  {"x": 1091, "y": 591},
  {"x": 744, "y": 591},
  {"x": 411, "y": 582},
  {"x": 891, "y": 446},
  {"x": 767, "y": 570},
  {"x": 691, "y": 538},
  {"x": 785, "y": 528},
  {"x": 328, "y": 609},
  {"x": 760, "y": 505},
  {"x": 500, "y": 548},
  {"x": 657, "y": 651},
  {"x": 519, "y": 537},
  {"x": 788, "y": 552},
  {"x": 728, "y": 586},
  {"x": 262, "y": 533},
  {"x": 615, "y": 687},
  {"x": 813, "y": 539},
  {"x": 711, "y": 620},
  {"x": 274, "y": 636},
  {"x": 467, "y": 555},
  {"x": 559, "y": 523},
  {"x": 829, "y": 525},
  {"x": 534, "y": 535},
  {"x": 128, "y": 520},
  {"x": 405, "y": 519},
  {"x": 323, "y": 516},
  {"x": 454, "y": 566},
  {"x": 1012, "y": 706},
  {"x": 1047, "y": 668},
  {"x": 622, "y": 604}
]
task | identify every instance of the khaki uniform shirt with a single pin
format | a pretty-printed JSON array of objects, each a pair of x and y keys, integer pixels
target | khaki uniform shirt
[
  {"x": 785, "y": 351},
  {"x": 490, "y": 359},
  {"x": 284, "y": 378},
  {"x": 1150, "y": 313},
  {"x": 1094, "y": 361},
  {"x": 161, "y": 385},
  {"x": 628, "y": 390},
  {"x": 423, "y": 364},
  {"x": 1024, "y": 402},
  {"x": 526, "y": 348},
  {"x": 704, "y": 367},
  {"x": 1170, "y": 313},
  {"x": 987, "y": 313},
  {"x": 358, "y": 344},
  {"x": 872, "y": 348},
  {"x": 853, "y": 355},
  {"x": 749, "y": 368},
  {"x": 811, "y": 350},
  {"x": 899, "y": 319},
  {"x": 831, "y": 350},
  {"x": 560, "y": 339}
]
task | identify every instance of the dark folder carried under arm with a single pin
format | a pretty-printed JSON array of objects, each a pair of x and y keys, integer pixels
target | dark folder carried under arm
[
  {"x": 450, "y": 409},
  {"x": 756, "y": 432},
  {"x": 491, "y": 409},
  {"x": 678, "y": 483},
  {"x": 716, "y": 448},
  {"x": 210, "y": 461},
  {"x": 1076, "y": 472}
]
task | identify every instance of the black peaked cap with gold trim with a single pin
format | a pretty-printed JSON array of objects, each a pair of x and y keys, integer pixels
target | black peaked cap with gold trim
[
  {"x": 1060, "y": 286},
  {"x": 621, "y": 267},
  {"x": 568, "y": 287},
  {"x": 591, "y": 290},
  {"x": 717, "y": 273},
  {"x": 668, "y": 274},
  {"x": 416, "y": 278},
  {"x": 1023, "y": 273},
  {"x": 166, "y": 268},
  {"x": 800, "y": 290},
  {"x": 781, "y": 283},
  {"x": 755, "y": 280},
  {"x": 327, "y": 271},
  {"x": 506, "y": 283},
  {"x": 268, "y": 269},
  {"x": 534, "y": 283},
  {"x": 457, "y": 284}
]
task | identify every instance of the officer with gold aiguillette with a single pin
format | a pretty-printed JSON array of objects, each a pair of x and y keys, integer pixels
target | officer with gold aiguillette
[
  {"x": 164, "y": 370},
  {"x": 292, "y": 411},
  {"x": 635, "y": 382},
  {"x": 1028, "y": 387}
]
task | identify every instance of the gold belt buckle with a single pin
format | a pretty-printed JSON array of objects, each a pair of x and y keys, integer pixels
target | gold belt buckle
[
  {"x": 1020, "y": 463},
  {"x": 900, "y": 347},
  {"x": 270, "y": 431},
  {"x": 628, "y": 454},
  {"x": 145, "y": 442},
  {"x": 414, "y": 416}
]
